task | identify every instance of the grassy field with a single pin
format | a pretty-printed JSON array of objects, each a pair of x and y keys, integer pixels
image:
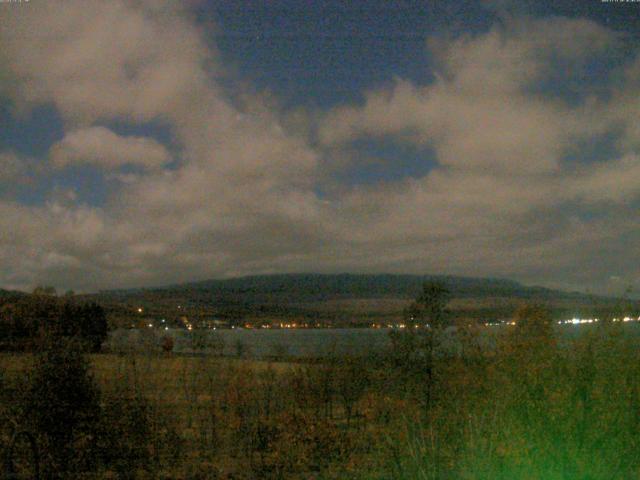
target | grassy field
[{"x": 529, "y": 409}]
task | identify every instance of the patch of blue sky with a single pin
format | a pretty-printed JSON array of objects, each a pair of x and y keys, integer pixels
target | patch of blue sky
[
  {"x": 386, "y": 159},
  {"x": 87, "y": 182},
  {"x": 575, "y": 81},
  {"x": 159, "y": 131},
  {"x": 32, "y": 133},
  {"x": 592, "y": 211},
  {"x": 595, "y": 149},
  {"x": 320, "y": 54},
  {"x": 620, "y": 16}
]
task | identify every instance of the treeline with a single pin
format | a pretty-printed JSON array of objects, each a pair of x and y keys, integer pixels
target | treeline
[{"x": 26, "y": 321}]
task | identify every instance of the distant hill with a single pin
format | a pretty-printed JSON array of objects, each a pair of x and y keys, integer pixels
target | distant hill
[
  {"x": 309, "y": 286},
  {"x": 344, "y": 299},
  {"x": 10, "y": 294}
]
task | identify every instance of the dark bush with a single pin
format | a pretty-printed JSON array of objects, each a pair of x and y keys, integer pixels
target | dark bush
[
  {"x": 167, "y": 344},
  {"x": 62, "y": 409},
  {"x": 125, "y": 431}
]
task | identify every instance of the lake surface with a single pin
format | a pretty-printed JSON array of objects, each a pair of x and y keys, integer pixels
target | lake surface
[
  {"x": 258, "y": 342},
  {"x": 300, "y": 342}
]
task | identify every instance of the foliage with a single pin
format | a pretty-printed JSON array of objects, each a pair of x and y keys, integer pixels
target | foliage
[
  {"x": 532, "y": 408},
  {"x": 414, "y": 348},
  {"x": 125, "y": 432},
  {"x": 30, "y": 320},
  {"x": 514, "y": 402},
  {"x": 62, "y": 407},
  {"x": 429, "y": 308}
]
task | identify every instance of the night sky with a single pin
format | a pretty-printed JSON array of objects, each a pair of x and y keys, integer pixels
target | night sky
[{"x": 150, "y": 142}]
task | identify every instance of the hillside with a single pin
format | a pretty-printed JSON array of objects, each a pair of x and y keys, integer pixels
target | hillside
[
  {"x": 341, "y": 299},
  {"x": 10, "y": 294}
]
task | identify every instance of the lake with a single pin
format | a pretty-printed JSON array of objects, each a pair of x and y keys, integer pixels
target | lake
[{"x": 302, "y": 342}]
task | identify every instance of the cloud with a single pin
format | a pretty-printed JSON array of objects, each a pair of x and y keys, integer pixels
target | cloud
[
  {"x": 18, "y": 172},
  {"x": 97, "y": 60},
  {"x": 499, "y": 143},
  {"x": 243, "y": 195},
  {"x": 616, "y": 181},
  {"x": 101, "y": 147},
  {"x": 480, "y": 112},
  {"x": 502, "y": 194},
  {"x": 11, "y": 167}
]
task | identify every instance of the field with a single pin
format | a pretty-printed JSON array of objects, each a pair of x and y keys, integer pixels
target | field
[{"x": 531, "y": 408}]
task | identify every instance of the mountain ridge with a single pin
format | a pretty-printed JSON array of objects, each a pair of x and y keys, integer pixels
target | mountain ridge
[
  {"x": 345, "y": 299},
  {"x": 349, "y": 283}
]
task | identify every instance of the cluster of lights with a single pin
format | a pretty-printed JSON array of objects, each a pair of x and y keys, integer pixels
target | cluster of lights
[
  {"x": 150, "y": 325},
  {"x": 580, "y": 321},
  {"x": 403, "y": 326},
  {"x": 572, "y": 321},
  {"x": 187, "y": 324},
  {"x": 289, "y": 325}
]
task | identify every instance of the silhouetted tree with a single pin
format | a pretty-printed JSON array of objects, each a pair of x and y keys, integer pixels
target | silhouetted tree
[
  {"x": 93, "y": 325},
  {"x": 415, "y": 346},
  {"x": 46, "y": 290},
  {"x": 430, "y": 307},
  {"x": 32, "y": 319},
  {"x": 62, "y": 407}
]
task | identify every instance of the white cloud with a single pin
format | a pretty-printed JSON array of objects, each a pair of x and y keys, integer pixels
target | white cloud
[
  {"x": 103, "y": 148},
  {"x": 479, "y": 113},
  {"x": 98, "y": 59}
]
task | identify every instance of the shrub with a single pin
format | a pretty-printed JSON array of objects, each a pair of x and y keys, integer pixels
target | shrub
[
  {"x": 62, "y": 409},
  {"x": 167, "y": 344},
  {"x": 124, "y": 434}
]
